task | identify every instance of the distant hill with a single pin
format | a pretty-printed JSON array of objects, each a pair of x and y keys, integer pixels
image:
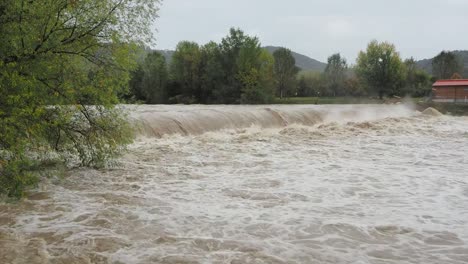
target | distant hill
[
  {"x": 426, "y": 64},
  {"x": 302, "y": 61}
]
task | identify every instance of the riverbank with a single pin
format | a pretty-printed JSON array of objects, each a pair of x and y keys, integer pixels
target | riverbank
[
  {"x": 421, "y": 103},
  {"x": 445, "y": 108},
  {"x": 341, "y": 100}
]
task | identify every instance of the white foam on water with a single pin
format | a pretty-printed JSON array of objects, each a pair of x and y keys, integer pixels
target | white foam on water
[
  {"x": 160, "y": 120},
  {"x": 359, "y": 184}
]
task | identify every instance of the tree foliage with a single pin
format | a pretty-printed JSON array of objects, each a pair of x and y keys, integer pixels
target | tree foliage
[
  {"x": 418, "y": 82},
  {"x": 211, "y": 72},
  {"x": 149, "y": 80},
  {"x": 237, "y": 70},
  {"x": 257, "y": 78},
  {"x": 185, "y": 69},
  {"x": 445, "y": 65},
  {"x": 230, "y": 47},
  {"x": 62, "y": 65},
  {"x": 285, "y": 72},
  {"x": 155, "y": 76},
  {"x": 381, "y": 68},
  {"x": 335, "y": 74},
  {"x": 312, "y": 84}
]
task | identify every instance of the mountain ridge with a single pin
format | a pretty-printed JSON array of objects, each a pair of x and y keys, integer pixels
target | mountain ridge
[
  {"x": 304, "y": 62},
  {"x": 426, "y": 64}
]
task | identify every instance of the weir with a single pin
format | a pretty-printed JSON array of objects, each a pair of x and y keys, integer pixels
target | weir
[{"x": 159, "y": 120}]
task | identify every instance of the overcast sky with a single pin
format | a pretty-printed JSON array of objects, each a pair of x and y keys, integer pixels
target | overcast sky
[{"x": 319, "y": 28}]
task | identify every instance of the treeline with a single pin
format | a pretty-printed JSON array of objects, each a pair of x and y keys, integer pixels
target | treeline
[
  {"x": 379, "y": 72},
  {"x": 237, "y": 70}
]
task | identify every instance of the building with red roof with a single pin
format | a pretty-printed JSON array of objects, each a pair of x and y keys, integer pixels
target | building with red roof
[{"x": 450, "y": 91}]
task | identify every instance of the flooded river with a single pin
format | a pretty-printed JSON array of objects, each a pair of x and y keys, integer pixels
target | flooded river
[{"x": 259, "y": 184}]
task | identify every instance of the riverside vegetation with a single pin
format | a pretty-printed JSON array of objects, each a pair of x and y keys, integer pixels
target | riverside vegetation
[
  {"x": 239, "y": 70},
  {"x": 62, "y": 65},
  {"x": 65, "y": 64}
]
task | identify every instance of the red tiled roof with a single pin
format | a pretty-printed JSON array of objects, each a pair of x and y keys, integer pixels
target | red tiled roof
[{"x": 460, "y": 82}]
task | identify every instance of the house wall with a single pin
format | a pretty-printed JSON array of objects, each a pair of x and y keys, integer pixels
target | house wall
[{"x": 451, "y": 94}]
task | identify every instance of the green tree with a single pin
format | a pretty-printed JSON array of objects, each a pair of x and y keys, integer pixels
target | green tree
[
  {"x": 231, "y": 89},
  {"x": 445, "y": 65},
  {"x": 314, "y": 84},
  {"x": 335, "y": 74},
  {"x": 381, "y": 68},
  {"x": 148, "y": 81},
  {"x": 244, "y": 70},
  {"x": 303, "y": 88},
  {"x": 411, "y": 70},
  {"x": 185, "y": 70},
  {"x": 212, "y": 74},
  {"x": 354, "y": 87},
  {"x": 423, "y": 84},
  {"x": 154, "y": 81},
  {"x": 285, "y": 72},
  {"x": 256, "y": 74},
  {"x": 417, "y": 82},
  {"x": 62, "y": 65},
  {"x": 135, "y": 92}
]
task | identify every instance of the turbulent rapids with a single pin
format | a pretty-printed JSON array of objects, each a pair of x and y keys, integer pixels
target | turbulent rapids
[
  {"x": 259, "y": 184},
  {"x": 193, "y": 120}
]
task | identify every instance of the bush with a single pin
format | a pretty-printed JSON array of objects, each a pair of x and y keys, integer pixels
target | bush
[{"x": 77, "y": 136}]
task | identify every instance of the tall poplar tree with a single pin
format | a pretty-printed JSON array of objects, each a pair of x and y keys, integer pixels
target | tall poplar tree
[
  {"x": 335, "y": 74},
  {"x": 285, "y": 72}
]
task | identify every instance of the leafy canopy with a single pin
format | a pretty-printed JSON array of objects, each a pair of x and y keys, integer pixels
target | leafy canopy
[
  {"x": 335, "y": 73},
  {"x": 380, "y": 66},
  {"x": 62, "y": 65},
  {"x": 445, "y": 65},
  {"x": 285, "y": 72}
]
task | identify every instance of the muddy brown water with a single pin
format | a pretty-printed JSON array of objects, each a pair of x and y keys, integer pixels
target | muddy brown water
[{"x": 259, "y": 184}]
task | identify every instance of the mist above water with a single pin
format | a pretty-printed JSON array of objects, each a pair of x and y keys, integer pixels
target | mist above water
[{"x": 259, "y": 184}]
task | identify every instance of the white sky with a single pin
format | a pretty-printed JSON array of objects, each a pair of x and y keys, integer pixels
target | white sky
[{"x": 319, "y": 28}]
